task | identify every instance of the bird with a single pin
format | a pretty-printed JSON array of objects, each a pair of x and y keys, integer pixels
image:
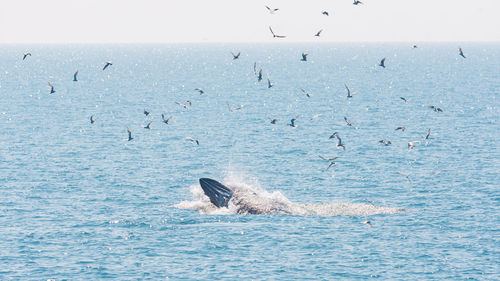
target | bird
[
  {"x": 75, "y": 79},
  {"x": 165, "y": 120},
  {"x": 318, "y": 33},
  {"x": 370, "y": 202},
  {"x": 51, "y": 88},
  {"x": 193, "y": 140},
  {"x": 339, "y": 142},
  {"x": 436, "y": 109},
  {"x": 200, "y": 91},
  {"x": 368, "y": 223},
  {"x": 259, "y": 77},
  {"x": 271, "y": 11},
  {"x": 146, "y": 112},
  {"x": 400, "y": 128},
  {"x": 276, "y": 36},
  {"x": 460, "y": 52},
  {"x": 382, "y": 63},
  {"x": 414, "y": 46},
  {"x": 274, "y": 121},
  {"x": 325, "y": 13},
  {"x": 233, "y": 109},
  {"x": 92, "y": 119},
  {"x": 331, "y": 160},
  {"x": 108, "y": 63},
  {"x": 148, "y": 125},
  {"x": 347, "y": 121},
  {"x": 269, "y": 83},
  {"x": 405, "y": 100},
  {"x": 406, "y": 176},
  {"x": 356, "y": 2},
  {"x": 183, "y": 105},
  {"x": 25, "y": 55},
  {"x": 411, "y": 144},
  {"x": 331, "y": 165},
  {"x": 386, "y": 143},
  {"x": 129, "y": 135},
  {"x": 307, "y": 93},
  {"x": 292, "y": 122},
  {"x": 428, "y": 134},
  {"x": 349, "y": 94},
  {"x": 237, "y": 56},
  {"x": 304, "y": 57}
]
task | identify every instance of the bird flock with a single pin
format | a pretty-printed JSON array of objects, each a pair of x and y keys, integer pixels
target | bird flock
[{"x": 339, "y": 143}]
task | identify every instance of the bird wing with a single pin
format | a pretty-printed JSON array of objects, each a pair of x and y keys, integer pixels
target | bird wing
[{"x": 272, "y": 31}]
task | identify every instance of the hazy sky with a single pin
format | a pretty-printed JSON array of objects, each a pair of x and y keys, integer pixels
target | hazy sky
[{"x": 157, "y": 21}]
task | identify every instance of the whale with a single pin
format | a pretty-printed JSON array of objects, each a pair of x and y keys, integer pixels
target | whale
[{"x": 244, "y": 201}]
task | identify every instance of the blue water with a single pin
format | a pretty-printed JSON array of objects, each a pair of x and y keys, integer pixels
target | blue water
[{"x": 79, "y": 201}]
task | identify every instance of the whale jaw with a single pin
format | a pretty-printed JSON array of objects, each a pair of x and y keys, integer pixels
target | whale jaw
[{"x": 218, "y": 193}]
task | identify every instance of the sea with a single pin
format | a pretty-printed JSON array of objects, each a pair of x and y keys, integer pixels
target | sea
[{"x": 79, "y": 201}]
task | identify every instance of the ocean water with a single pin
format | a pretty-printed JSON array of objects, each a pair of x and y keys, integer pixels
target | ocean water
[{"x": 78, "y": 201}]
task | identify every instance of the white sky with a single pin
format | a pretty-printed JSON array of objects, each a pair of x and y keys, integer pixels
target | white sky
[{"x": 172, "y": 21}]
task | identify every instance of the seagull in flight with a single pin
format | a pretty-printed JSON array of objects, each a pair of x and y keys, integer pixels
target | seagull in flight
[
  {"x": 428, "y": 134},
  {"x": 411, "y": 144},
  {"x": 325, "y": 13},
  {"x": 460, "y": 52},
  {"x": 108, "y": 63},
  {"x": 368, "y": 223},
  {"x": 382, "y": 63},
  {"x": 405, "y": 100},
  {"x": 148, "y": 125},
  {"x": 292, "y": 122},
  {"x": 274, "y": 121},
  {"x": 233, "y": 109},
  {"x": 276, "y": 36},
  {"x": 75, "y": 79},
  {"x": 269, "y": 83},
  {"x": 193, "y": 140},
  {"x": 188, "y": 102},
  {"x": 304, "y": 56},
  {"x": 146, "y": 112},
  {"x": 237, "y": 56},
  {"x": 331, "y": 160},
  {"x": 414, "y": 46},
  {"x": 406, "y": 176},
  {"x": 165, "y": 120},
  {"x": 307, "y": 93},
  {"x": 436, "y": 109},
  {"x": 386, "y": 143},
  {"x": 318, "y": 33},
  {"x": 92, "y": 119},
  {"x": 400, "y": 128},
  {"x": 356, "y": 2},
  {"x": 259, "y": 77},
  {"x": 129, "y": 135},
  {"x": 51, "y": 88},
  {"x": 25, "y": 55},
  {"x": 347, "y": 121},
  {"x": 349, "y": 94},
  {"x": 200, "y": 91},
  {"x": 271, "y": 11}
]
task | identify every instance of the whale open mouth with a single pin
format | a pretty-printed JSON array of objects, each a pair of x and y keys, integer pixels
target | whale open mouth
[{"x": 218, "y": 193}]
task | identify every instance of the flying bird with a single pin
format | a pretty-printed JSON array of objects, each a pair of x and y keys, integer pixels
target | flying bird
[
  {"x": 460, "y": 52},
  {"x": 386, "y": 143},
  {"x": 237, "y": 56},
  {"x": 339, "y": 142},
  {"x": 271, "y": 11},
  {"x": 436, "y": 109},
  {"x": 304, "y": 56},
  {"x": 269, "y": 83},
  {"x": 411, "y": 144},
  {"x": 233, "y": 109},
  {"x": 193, "y": 140},
  {"x": 347, "y": 121},
  {"x": 307, "y": 93},
  {"x": 318, "y": 33},
  {"x": 146, "y": 112},
  {"x": 382, "y": 63},
  {"x": 356, "y": 2},
  {"x": 129, "y": 135},
  {"x": 428, "y": 134},
  {"x": 200, "y": 91},
  {"x": 325, "y": 13},
  {"x": 108, "y": 63},
  {"x": 292, "y": 122},
  {"x": 349, "y": 94},
  {"x": 406, "y": 176},
  {"x": 327, "y": 159},
  {"x": 414, "y": 46},
  {"x": 148, "y": 125},
  {"x": 400, "y": 128},
  {"x": 165, "y": 120},
  {"x": 274, "y": 121},
  {"x": 276, "y": 36},
  {"x": 92, "y": 119},
  {"x": 405, "y": 100},
  {"x": 25, "y": 55},
  {"x": 368, "y": 223},
  {"x": 75, "y": 79},
  {"x": 51, "y": 88},
  {"x": 259, "y": 77}
]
